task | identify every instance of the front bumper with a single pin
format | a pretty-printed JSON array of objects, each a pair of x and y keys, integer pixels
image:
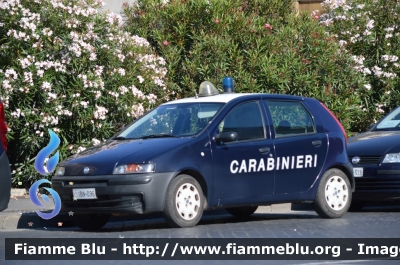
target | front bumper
[
  {"x": 116, "y": 194},
  {"x": 380, "y": 182},
  {"x": 377, "y": 189}
]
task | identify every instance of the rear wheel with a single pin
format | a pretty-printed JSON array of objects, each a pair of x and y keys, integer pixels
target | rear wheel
[
  {"x": 333, "y": 197},
  {"x": 90, "y": 222},
  {"x": 184, "y": 203},
  {"x": 242, "y": 211}
]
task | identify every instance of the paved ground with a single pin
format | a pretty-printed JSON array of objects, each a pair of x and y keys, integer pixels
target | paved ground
[
  {"x": 373, "y": 222},
  {"x": 276, "y": 222}
]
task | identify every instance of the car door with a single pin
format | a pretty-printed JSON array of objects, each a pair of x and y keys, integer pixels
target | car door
[
  {"x": 300, "y": 150},
  {"x": 241, "y": 170}
]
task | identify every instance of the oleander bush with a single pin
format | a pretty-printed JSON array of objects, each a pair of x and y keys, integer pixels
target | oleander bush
[
  {"x": 68, "y": 67},
  {"x": 263, "y": 44},
  {"x": 369, "y": 31}
]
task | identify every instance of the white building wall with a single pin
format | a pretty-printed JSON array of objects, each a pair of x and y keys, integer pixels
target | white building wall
[{"x": 115, "y": 6}]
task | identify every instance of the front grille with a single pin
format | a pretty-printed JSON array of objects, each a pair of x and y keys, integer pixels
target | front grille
[
  {"x": 85, "y": 182},
  {"x": 90, "y": 204},
  {"x": 103, "y": 201},
  {"x": 367, "y": 160},
  {"x": 368, "y": 184}
]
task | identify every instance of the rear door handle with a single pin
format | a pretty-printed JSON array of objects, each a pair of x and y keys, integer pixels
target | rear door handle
[
  {"x": 264, "y": 150},
  {"x": 317, "y": 142}
]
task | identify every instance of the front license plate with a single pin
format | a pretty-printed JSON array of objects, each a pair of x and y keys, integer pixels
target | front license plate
[
  {"x": 358, "y": 171},
  {"x": 84, "y": 194}
]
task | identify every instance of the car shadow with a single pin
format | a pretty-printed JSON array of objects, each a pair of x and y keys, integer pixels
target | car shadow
[
  {"x": 381, "y": 207},
  {"x": 208, "y": 219},
  {"x": 369, "y": 207}
]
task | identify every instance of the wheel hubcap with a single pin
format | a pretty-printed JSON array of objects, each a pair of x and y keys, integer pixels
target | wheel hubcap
[
  {"x": 336, "y": 193},
  {"x": 187, "y": 201}
]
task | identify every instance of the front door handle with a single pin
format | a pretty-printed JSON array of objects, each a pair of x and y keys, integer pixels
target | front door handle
[
  {"x": 317, "y": 142},
  {"x": 264, "y": 150}
]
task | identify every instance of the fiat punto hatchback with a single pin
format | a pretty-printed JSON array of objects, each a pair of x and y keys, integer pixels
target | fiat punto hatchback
[{"x": 230, "y": 150}]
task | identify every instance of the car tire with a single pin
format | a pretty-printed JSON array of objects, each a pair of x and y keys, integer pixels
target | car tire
[
  {"x": 184, "y": 202},
  {"x": 333, "y": 196},
  {"x": 356, "y": 206},
  {"x": 242, "y": 211},
  {"x": 90, "y": 222}
]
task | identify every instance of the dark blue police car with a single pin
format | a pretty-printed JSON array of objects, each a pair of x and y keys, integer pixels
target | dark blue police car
[
  {"x": 5, "y": 173},
  {"x": 375, "y": 155},
  {"x": 231, "y": 150}
]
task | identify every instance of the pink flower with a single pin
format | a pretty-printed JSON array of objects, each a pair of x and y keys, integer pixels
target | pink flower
[
  {"x": 268, "y": 26},
  {"x": 316, "y": 17},
  {"x": 216, "y": 21},
  {"x": 165, "y": 43}
]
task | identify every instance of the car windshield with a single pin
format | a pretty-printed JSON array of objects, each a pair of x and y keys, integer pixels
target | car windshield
[
  {"x": 172, "y": 120},
  {"x": 390, "y": 122}
]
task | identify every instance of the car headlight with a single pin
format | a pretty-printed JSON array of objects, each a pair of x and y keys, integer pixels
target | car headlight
[
  {"x": 134, "y": 168},
  {"x": 60, "y": 171},
  {"x": 392, "y": 158}
]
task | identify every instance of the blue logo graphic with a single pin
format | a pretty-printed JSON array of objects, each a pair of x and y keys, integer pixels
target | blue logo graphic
[
  {"x": 45, "y": 152},
  {"x": 35, "y": 199},
  {"x": 44, "y": 170}
]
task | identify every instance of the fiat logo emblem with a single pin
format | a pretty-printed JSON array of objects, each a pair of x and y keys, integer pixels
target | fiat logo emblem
[
  {"x": 86, "y": 170},
  {"x": 355, "y": 160}
]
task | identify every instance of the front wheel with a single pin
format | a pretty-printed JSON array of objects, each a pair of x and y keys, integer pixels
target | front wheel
[
  {"x": 184, "y": 203},
  {"x": 333, "y": 196}
]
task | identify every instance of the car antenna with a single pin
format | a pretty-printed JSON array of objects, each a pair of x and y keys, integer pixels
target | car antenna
[{"x": 195, "y": 94}]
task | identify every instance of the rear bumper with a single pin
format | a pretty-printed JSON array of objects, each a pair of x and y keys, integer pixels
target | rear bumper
[
  {"x": 116, "y": 194},
  {"x": 5, "y": 181}
]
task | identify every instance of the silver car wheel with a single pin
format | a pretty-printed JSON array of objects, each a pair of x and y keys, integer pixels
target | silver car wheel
[
  {"x": 187, "y": 201},
  {"x": 336, "y": 193}
]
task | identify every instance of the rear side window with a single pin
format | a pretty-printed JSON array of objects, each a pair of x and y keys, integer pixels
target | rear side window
[
  {"x": 290, "y": 118},
  {"x": 246, "y": 120}
]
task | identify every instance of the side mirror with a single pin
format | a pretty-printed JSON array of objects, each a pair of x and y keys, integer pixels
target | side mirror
[{"x": 226, "y": 137}]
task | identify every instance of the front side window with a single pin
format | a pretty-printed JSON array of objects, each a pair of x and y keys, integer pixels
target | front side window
[
  {"x": 173, "y": 120},
  {"x": 290, "y": 118},
  {"x": 246, "y": 120}
]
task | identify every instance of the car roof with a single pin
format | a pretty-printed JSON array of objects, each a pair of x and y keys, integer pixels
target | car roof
[
  {"x": 225, "y": 98},
  {"x": 221, "y": 98}
]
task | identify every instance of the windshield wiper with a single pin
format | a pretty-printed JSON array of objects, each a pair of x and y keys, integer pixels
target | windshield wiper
[
  {"x": 120, "y": 138},
  {"x": 387, "y": 129},
  {"x": 161, "y": 135}
]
